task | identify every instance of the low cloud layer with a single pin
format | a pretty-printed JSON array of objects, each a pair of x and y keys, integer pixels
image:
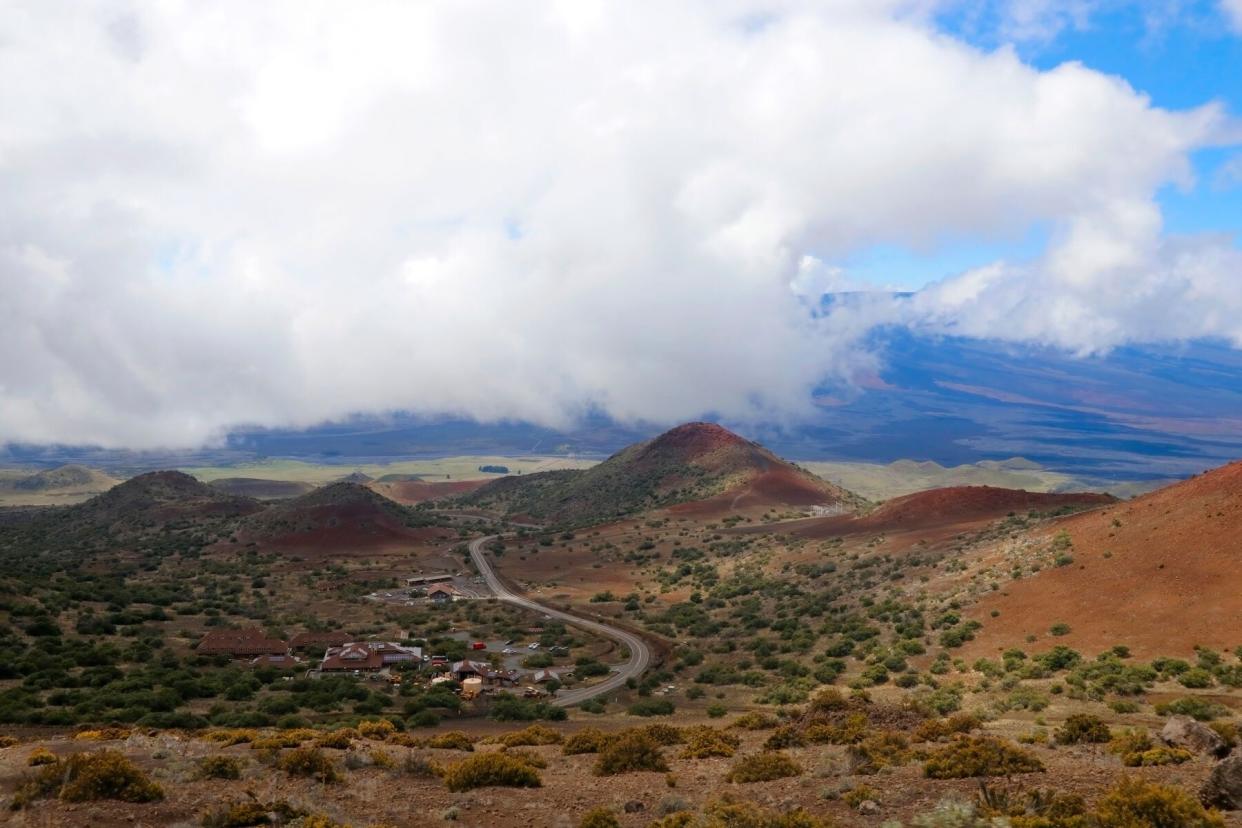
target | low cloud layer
[{"x": 278, "y": 214}]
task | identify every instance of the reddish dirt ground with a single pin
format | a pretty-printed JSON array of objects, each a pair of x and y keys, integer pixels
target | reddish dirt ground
[
  {"x": 411, "y": 492},
  {"x": 1159, "y": 574},
  {"x": 932, "y": 516}
]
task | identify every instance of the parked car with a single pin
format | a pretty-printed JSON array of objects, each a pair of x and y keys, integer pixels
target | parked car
[{"x": 478, "y": 645}]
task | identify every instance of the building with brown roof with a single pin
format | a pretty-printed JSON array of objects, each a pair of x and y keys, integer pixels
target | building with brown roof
[
  {"x": 369, "y": 656},
  {"x": 247, "y": 642},
  {"x": 337, "y": 638}
]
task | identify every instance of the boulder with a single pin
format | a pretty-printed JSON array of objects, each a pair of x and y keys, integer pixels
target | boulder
[
  {"x": 1185, "y": 732},
  {"x": 1223, "y": 789}
]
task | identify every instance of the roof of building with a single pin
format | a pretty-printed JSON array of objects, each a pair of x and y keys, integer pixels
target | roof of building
[
  {"x": 280, "y": 662},
  {"x": 335, "y": 638},
  {"x": 367, "y": 655},
  {"x": 247, "y": 641}
]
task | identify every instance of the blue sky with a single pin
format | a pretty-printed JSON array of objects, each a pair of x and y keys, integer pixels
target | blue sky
[{"x": 1181, "y": 53}]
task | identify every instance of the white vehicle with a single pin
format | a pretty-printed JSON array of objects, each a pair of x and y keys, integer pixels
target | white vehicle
[
  {"x": 534, "y": 645},
  {"x": 509, "y": 651}
]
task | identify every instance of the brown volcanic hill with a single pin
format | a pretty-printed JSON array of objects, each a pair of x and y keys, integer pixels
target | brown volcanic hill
[
  {"x": 160, "y": 497},
  {"x": 1160, "y": 574},
  {"x": 935, "y": 514},
  {"x": 956, "y": 504},
  {"x": 700, "y": 463},
  {"x": 337, "y": 515},
  {"x": 261, "y": 488}
]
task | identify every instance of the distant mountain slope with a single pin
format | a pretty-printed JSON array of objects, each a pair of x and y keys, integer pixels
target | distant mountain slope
[
  {"x": 64, "y": 484},
  {"x": 695, "y": 462},
  {"x": 340, "y": 514},
  {"x": 260, "y": 488},
  {"x": 160, "y": 511},
  {"x": 938, "y": 512},
  {"x": 1160, "y": 574}
]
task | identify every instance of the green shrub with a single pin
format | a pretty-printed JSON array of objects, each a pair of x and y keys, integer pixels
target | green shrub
[
  {"x": 630, "y": 751},
  {"x": 971, "y": 756},
  {"x": 1196, "y": 708},
  {"x": 219, "y": 767},
  {"x": 651, "y": 707},
  {"x": 340, "y": 739},
  {"x": 786, "y": 736},
  {"x": 755, "y": 721},
  {"x": 1157, "y": 756},
  {"x": 491, "y": 770},
  {"x": 763, "y": 767},
  {"x": 1134, "y": 802},
  {"x": 730, "y": 813},
  {"x": 251, "y": 812},
  {"x": 1083, "y": 728},
  {"x": 309, "y": 761}
]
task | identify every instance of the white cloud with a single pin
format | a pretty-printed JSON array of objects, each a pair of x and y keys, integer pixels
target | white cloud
[
  {"x": 1232, "y": 10},
  {"x": 281, "y": 213}
]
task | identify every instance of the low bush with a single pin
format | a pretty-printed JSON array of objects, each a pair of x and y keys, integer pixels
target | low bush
[
  {"x": 40, "y": 756},
  {"x": 600, "y": 817},
  {"x": 730, "y": 813},
  {"x": 309, "y": 761},
  {"x": 630, "y": 751},
  {"x": 587, "y": 740},
  {"x": 971, "y": 756},
  {"x": 528, "y": 756},
  {"x": 1132, "y": 802},
  {"x": 451, "y": 740},
  {"x": 705, "y": 742},
  {"x": 231, "y": 736},
  {"x": 491, "y": 770},
  {"x": 7, "y": 741},
  {"x": 87, "y": 777},
  {"x": 1194, "y": 707},
  {"x": 1157, "y": 756},
  {"x": 938, "y": 730},
  {"x": 106, "y": 734},
  {"x": 755, "y": 721},
  {"x": 341, "y": 739},
  {"x": 888, "y": 748},
  {"x": 1083, "y": 728},
  {"x": 219, "y": 767},
  {"x": 763, "y": 767},
  {"x": 533, "y": 735},
  {"x": 251, "y": 812},
  {"x": 664, "y": 734},
  {"x": 652, "y": 707},
  {"x": 786, "y": 736},
  {"x": 377, "y": 729}
]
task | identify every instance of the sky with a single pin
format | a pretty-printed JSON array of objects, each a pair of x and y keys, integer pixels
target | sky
[{"x": 283, "y": 213}]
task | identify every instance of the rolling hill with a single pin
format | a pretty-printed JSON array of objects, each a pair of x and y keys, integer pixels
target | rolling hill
[
  {"x": 261, "y": 488},
  {"x": 1159, "y": 574},
  {"x": 340, "y": 515},
  {"x": 700, "y": 466}
]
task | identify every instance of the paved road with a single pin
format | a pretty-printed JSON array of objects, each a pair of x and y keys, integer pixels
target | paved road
[{"x": 640, "y": 653}]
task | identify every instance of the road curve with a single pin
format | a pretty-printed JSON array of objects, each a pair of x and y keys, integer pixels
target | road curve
[{"x": 640, "y": 653}]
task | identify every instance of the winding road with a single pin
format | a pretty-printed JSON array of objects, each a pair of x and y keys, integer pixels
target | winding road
[{"x": 640, "y": 653}]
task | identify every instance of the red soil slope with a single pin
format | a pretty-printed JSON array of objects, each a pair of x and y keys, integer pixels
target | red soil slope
[
  {"x": 1172, "y": 578},
  {"x": 411, "y": 492},
  {"x": 941, "y": 512}
]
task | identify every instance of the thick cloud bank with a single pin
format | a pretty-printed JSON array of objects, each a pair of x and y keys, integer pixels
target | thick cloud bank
[{"x": 215, "y": 214}]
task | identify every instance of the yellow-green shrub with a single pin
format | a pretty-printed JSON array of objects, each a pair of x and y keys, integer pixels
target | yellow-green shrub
[
  {"x": 219, "y": 767},
  {"x": 937, "y": 730},
  {"x": 704, "y": 742},
  {"x": 341, "y": 739},
  {"x": 755, "y": 721},
  {"x": 763, "y": 767},
  {"x": 1134, "y": 802},
  {"x": 40, "y": 756},
  {"x": 86, "y": 777},
  {"x": 377, "y": 729},
  {"x": 309, "y": 761},
  {"x": 104, "y": 734},
  {"x": 451, "y": 740},
  {"x": 633, "y": 750},
  {"x": 599, "y": 817},
  {"x": 970, "y": 756},
  {"x": 490, "y": 770},
  {"x": 231, "y": 736},
  {"x": 587, "y": 740},
  {"x": 533, "y": 735}
]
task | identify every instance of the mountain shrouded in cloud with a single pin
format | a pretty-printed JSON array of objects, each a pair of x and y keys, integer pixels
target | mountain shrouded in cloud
[{"x": 223, "y": 214}]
